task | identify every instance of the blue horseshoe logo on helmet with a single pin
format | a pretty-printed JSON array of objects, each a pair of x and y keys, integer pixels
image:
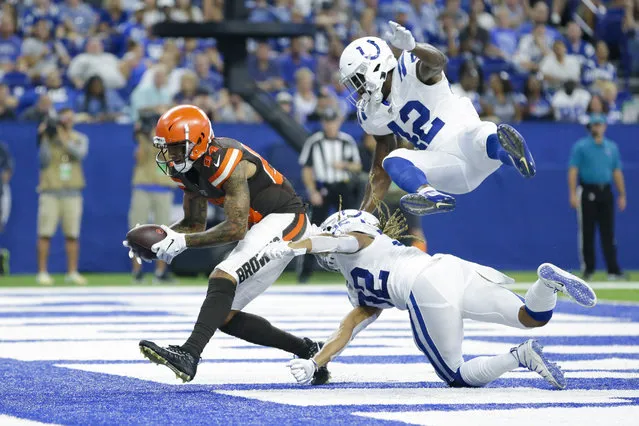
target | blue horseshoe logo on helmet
[{"x": 370, "y": 57}]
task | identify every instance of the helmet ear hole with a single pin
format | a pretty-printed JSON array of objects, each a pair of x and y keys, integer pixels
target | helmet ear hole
[{"x": 377, "y": 68}]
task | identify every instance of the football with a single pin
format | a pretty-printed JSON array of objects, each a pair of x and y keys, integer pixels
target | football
[{"x": 142, "y": 238}]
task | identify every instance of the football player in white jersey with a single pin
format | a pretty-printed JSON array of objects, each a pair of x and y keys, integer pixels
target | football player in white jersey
[
  {"x": 439, "y": 292},
  {"x": 410, "y": 97}
]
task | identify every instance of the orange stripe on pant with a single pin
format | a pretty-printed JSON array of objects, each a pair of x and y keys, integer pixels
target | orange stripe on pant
[{"x": 301, "y": 218}]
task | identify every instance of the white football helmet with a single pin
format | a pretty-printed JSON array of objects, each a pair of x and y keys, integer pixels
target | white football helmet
[
  {"x": 343, "y": 222},
  {"x": 363, "y": 67}
]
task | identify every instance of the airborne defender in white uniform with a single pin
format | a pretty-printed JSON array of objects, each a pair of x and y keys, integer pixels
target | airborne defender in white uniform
[
  {"x": 439, "y": 292},
  {"x": 409, "y": 97}
]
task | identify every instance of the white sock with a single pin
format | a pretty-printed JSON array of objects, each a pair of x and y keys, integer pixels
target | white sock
[
  {"x": 540, "y": 297},
  {"x": 482, "y": 370}
]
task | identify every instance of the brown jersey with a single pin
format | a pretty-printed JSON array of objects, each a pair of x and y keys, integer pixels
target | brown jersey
[{"x": 270, "y": 191}]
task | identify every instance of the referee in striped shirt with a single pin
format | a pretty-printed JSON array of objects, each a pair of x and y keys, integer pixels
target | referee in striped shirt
[{"x": 330, "y": 163}]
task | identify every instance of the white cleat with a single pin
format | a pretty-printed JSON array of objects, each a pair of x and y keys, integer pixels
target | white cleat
[
  {"x": 43, "y": 278},
  {"x": 568, "y": 284},
  {"x": 530, "y": 355},
  {"x": 75, "y": 278}
]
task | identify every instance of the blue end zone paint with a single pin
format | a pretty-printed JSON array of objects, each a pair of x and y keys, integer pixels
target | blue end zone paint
[
  {"x": 66, "y": 396},
  {"x": 41, "y": 391}
]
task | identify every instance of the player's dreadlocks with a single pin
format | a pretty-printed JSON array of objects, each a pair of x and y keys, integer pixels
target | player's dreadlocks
[{"x": 394, "y": 224}]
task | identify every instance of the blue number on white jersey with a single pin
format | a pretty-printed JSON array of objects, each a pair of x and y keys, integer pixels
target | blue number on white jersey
[
  {"x": 371, "y": 290},
  {"x": 418, "y": 137}
]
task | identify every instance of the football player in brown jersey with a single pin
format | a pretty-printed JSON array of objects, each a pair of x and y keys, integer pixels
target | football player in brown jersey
[{"x": 260, "y": 206}]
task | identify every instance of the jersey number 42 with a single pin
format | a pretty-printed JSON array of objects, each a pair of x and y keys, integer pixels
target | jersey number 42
[
  {"x": 418, "y": 136},
  {"x": 373, "y": 292}
]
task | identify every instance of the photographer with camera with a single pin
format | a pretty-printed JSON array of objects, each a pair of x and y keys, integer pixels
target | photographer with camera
[
  {"x": 61, "y": 151},
  {"x": 152, "y": 196}
]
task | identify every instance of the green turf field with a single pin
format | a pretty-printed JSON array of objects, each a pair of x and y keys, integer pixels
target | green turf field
[{"x": 618, "y": 293}]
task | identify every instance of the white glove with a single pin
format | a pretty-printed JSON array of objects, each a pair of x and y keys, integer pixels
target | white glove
[
  {"x": 173, "y": 244},
  {"x": 303, "y": 370},
  {"x": 132, "y": 254},
  {"x": 278, "y": 250},
  {"x": 400, "y": 37}
]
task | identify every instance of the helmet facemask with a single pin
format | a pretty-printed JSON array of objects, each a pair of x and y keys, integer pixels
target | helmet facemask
[
  {"x": 174, "y": 158},
  {"x": 365, "y": 84}
]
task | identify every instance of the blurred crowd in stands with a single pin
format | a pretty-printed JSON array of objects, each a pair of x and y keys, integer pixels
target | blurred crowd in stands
[{"x": 517, "y": 60}]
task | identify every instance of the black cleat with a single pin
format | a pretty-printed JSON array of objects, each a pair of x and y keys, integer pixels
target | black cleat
[
  {"x": 182, "y": 363},
  {"x": 322, "y": 375}
]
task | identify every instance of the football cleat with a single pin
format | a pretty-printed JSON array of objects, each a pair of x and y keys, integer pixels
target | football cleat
[
  {"x": 427, "y": 201},
  {"x": 181, "y": 362},
  {"x": 568, "y": 284},
  {"x": 530, "y": 355},
  {"x": 322, "y": 375},
  {"x": 515, "y": 145}
]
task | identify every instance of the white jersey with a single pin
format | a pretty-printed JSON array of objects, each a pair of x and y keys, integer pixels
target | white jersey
[
  {"x": 422, "y": 114},
  {"x": 382, "y": 275}
]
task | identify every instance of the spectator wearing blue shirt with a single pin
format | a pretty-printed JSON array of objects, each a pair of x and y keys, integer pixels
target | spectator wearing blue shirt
[
  {"x": 405, "y": 16},
  {"x": 447, "y": 40},
  {"x": 191, "y": 48},
  {"x": 298, "y": 58},
  {"x": 261, "y": 12},
  {"x": 576, "y": 45},
  {"x": 594, "y": 165},
  {"x": 210, "y": 80},
  {"x": 9, "y": 44},
  {"x": 41, "y": 9},
  {"x": 281, "y": 10},
  {"x": 330, "y": 25},
  {"x": 96, "y": 103},
  {"x": 427, "y": 14},
  {"x": 537, "y": 104},
  {"x": 134, "y": 29},
  {"x": 503, "y": 39},
  {"x": 62, "y": 96},
  {"x": 135, "y": 66},
  {"x": 264, "y": 68},
  {"x": 79, "y": 16},
  {"x": 539, "y": 17},
  {"x": 599, "y": 70},
  {"x": 43, "y": 52},
  {"x": 516, "y": 12},
  {"x": 112, "y": 16}
]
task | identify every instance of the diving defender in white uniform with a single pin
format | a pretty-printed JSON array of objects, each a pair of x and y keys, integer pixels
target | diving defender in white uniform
[
  {"x": 409, "y": 97},
  {"x": 439, "y": 292}
]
